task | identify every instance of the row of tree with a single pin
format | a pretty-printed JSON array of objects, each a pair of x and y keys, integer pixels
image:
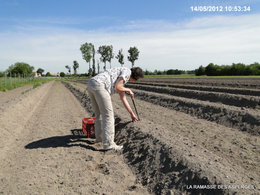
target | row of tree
[
  {"x": 88, "y": 53},
  {"x": 229, "y": 70},
  {"x": 106, "y": 55}
]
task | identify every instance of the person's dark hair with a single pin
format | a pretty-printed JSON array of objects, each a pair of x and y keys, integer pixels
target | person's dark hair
[{"x": 137, "y": 73}]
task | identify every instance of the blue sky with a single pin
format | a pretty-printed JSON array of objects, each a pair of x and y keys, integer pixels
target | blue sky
[{"x": 48, "y": 34}]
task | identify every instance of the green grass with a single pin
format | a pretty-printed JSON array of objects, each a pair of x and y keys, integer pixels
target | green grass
[
  {"x": 35, "y": 85},
  {"x": 194, "y": 76},
  {"x": 12, "y": 83},
  {"x": 74, "y": 78},
  {"x": 26, "y": 91}
]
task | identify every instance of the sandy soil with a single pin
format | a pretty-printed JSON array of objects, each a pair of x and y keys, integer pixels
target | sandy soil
[
  {"x": 12, "y": 96},
  {"x": 41, "y": 152},
  {"x": 170, "y": 150}
]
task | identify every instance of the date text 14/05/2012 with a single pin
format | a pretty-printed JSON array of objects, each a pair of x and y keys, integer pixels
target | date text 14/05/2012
[{"x": 201, "y": 8}]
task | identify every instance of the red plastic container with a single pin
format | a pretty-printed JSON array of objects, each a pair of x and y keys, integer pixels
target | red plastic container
[{"x": 88, "y": 126}]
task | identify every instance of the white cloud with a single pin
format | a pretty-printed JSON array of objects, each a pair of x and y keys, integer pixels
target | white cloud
[{"x": 162, "y": 45}]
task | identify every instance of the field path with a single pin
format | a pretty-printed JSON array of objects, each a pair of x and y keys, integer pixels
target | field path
[{"x": 44, "y": 157}]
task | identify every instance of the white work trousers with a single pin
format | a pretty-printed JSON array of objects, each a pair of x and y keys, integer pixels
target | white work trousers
[{"x": 102, "y": 106}]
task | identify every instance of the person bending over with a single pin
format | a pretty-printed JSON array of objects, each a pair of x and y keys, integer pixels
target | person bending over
[{"x": 100, "y": 88}]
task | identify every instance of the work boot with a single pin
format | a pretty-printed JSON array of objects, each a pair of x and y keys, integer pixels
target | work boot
[{"x": 113, "y": 147}]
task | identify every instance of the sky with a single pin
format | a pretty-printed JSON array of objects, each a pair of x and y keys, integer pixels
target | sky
[{"x": 170, "y": 34}]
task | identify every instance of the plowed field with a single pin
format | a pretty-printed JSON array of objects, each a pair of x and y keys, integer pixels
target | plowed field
[
  {"x": 196, "y": 136},
  {"x": 193, "y": 132},
  {"x": 42, "y": 153}
]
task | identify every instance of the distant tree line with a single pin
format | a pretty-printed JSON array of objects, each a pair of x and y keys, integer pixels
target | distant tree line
[
  {"x": 22, "y": 69},
  {"x": 88, "y": 53},
  {"x": 168, "y": 72},
  {"x": 238, "y": 69}
]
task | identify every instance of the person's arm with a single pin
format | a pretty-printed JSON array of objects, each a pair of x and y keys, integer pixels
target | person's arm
[
  {"x": 119, "y": 87},
  {"x": 127, "y": 106}
]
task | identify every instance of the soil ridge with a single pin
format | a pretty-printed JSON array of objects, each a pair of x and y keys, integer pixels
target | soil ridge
[
  {"x": 162, "y": 166},
  {"x": 241, "y": 91},
  {"x": 220, "y": 97},
  {"x": 242, "y": 120}
]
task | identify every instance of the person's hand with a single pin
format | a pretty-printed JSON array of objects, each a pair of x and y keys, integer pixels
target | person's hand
[{"x": 134, "y": 118}]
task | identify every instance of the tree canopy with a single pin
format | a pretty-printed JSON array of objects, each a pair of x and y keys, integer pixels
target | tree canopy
[
  {"x": 87, "y": 50},
  {"x": 109, "y": 53},
  {"x": 120, "y": 57},
  {"x": 102, "y": 50},
  {"x": 40, "y": 70},
  {"x": 75, "y": 66},
  {"x": 62, "y": 74},
  {"x": 133, "y": 55},
  {"x": 20, "y": 68},
  {"x": 69, "y": 68}
]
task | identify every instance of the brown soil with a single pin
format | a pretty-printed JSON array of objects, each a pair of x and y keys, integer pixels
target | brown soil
[
  {"x": 182, "y": 145},
  {"x": 231, "y": 90},
  {"x": 249, "y": 83},
  {"x": 12, "y": 96},
  {"x": 41, "y": 152},
  {"x": 171, "y": 150},
  {"x": 221, "y": 97}
]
